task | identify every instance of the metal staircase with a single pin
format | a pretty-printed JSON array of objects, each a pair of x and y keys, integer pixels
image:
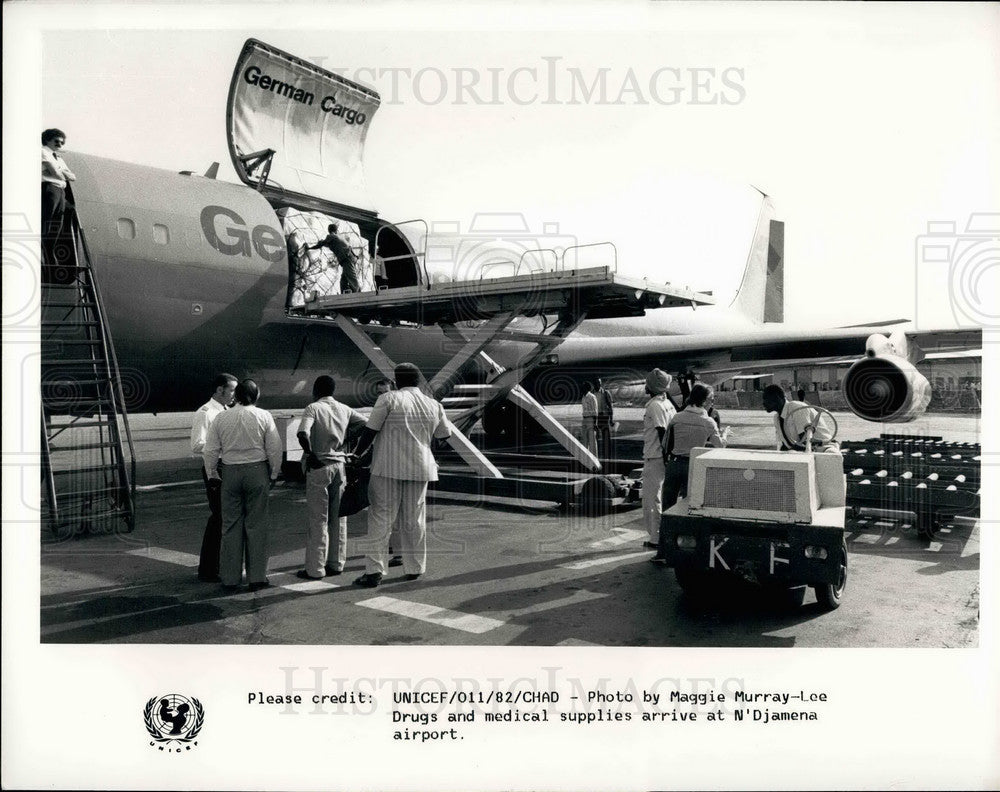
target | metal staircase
[{"x": 88, "y": 460}]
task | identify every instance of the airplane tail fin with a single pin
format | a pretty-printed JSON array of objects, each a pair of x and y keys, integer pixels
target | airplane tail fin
[{"x": 761, "y": 294}]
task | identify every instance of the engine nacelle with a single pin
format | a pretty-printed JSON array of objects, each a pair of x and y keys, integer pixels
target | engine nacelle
[{"x": 887, "y": 389}]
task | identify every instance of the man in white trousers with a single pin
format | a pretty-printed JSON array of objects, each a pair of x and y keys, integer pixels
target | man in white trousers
[
  {"x": 659, "y": 411},
  {"x": 323, "y": 433},
  {"x": 402, "y": 425}
]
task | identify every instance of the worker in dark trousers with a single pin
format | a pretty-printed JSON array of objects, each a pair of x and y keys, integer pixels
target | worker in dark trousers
[
  {"x": 56, "y": 176},
  {"x": 222, "y": 398},
  {"x": 692, "y": 427},
  {"x": 345, "y": 256}
]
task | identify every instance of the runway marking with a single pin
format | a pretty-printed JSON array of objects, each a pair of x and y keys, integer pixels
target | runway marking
[
  {"x": 624, "y": 536},
  {"x": 155, "y": 487},
  {"x": 576, "y": 642},
  {"x": 280, "y": 581},
  {"x": 593, "y": 562},
  {"x": 466, "y": 622},
  {"x": 295, "y": 583},
  {"x": 168, "y": 556},
  {"x": 576, "y": 598}
]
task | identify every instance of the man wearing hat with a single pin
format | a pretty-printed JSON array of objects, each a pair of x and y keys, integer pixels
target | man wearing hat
[{"x": 659, "y": 411}]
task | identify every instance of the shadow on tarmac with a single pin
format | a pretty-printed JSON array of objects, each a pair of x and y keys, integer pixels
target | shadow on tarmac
[{"x": 620, "y": 612}]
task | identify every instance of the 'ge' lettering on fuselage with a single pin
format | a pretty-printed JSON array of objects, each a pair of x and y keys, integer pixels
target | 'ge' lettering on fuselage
[{"x": 235, "y": 240}]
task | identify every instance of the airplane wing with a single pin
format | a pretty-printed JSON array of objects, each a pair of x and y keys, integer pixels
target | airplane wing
[
  {"x": 882, "y": 384},
  {"x": 754, "y": 349}
]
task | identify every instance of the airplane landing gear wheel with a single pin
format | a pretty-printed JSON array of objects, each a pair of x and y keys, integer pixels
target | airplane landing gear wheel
[
  {"x": 596, "y": 496},
  {"x": 830, "y": 595}
]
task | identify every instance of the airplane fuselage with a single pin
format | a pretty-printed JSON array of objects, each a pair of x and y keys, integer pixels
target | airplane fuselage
[{"x": 194, "y": 276}]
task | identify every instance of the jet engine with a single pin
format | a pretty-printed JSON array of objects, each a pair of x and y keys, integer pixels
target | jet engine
[{"x": 884, "y": 385}]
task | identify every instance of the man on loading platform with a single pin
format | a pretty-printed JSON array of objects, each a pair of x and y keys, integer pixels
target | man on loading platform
[{"x": 345, "y": 256}]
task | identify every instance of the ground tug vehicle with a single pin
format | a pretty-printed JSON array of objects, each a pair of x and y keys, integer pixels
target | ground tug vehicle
[{"x": 768, "y": 517}]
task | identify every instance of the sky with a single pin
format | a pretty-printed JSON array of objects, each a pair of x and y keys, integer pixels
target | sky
[{"x": 862, "y": 123}]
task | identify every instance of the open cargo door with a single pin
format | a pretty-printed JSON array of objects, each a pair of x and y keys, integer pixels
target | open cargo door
[{"x": 297, "y": 129}]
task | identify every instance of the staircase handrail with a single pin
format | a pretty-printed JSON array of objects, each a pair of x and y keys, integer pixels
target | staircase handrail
[{"x": 111, "y": 361}]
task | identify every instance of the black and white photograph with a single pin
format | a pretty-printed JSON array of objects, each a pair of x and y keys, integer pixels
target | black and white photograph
[{"x": 448, "y": 396}]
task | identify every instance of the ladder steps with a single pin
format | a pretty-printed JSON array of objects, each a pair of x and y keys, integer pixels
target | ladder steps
[
  {"x": 53, "y": 383},
  {"x": 75, "y": 497},
  {"x": 95, "y": 515},
  {"x": 88, "y": 408},
  {"x": 78, "y": 425},
  {"x": 84, "y": 447},
  {"x": 112, "y": 466},
  {"x": 81, "y": 388}
]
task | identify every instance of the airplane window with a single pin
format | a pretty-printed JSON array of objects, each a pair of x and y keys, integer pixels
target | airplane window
[
  {"x": 161, "y": 234},
  {"x": 126, "y": 228}
]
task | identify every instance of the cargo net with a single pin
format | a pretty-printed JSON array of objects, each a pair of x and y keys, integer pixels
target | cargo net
[{"x": 319, "y": 271}]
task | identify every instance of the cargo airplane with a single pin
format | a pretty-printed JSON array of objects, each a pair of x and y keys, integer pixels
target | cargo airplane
[{"x": 195, "y": 277}]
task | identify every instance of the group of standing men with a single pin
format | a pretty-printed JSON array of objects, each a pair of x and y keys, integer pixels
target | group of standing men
[
  {"x": 241, "y": 452},
  {"x": 669, "y": 436}
]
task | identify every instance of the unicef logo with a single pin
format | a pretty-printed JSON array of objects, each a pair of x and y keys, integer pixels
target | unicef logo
[{"x": 173, "y": 719}]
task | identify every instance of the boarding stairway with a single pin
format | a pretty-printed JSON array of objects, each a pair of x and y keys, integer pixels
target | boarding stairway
[{"x": 87, "y": 455}]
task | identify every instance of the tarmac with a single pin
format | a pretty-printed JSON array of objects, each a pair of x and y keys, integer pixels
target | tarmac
[{"x": 500, "y": 571}]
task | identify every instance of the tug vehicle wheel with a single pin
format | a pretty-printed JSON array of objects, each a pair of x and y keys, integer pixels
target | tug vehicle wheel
[
  {"x": 694, "y": 582},
  {"x": 829, "y": 595}
]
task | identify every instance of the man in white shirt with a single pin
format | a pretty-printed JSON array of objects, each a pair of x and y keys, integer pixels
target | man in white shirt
[
  {"x": 403, "y": 423},
  {"x": 222, "y": 397},
  {"x": 659, "y": 411},
  {"x": 797, "y": 424},
  {"x": 693, "y": 427},
  {"x": 589, "y": 404},
  {"x": 323, "y": 431},
  {"x": 245, "y": 441},
  {"x": 55, "y": 176}
]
